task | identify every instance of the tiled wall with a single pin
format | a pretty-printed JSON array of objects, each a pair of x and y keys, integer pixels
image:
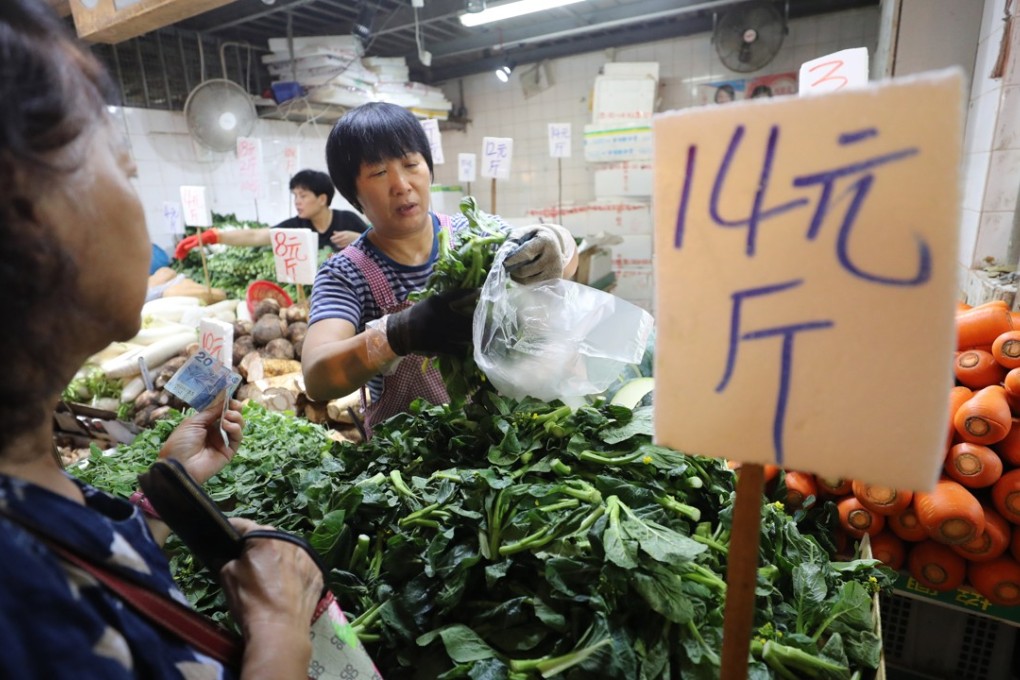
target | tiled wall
[
  {"x": 167, "y": 157},
  {"x": 501, "y": 110}
]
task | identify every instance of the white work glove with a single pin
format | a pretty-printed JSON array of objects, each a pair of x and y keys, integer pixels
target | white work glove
[{"x": 542, "y": 253}]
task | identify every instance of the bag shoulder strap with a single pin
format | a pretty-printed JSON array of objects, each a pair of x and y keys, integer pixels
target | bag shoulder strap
[{"x": 163, "y": 612}]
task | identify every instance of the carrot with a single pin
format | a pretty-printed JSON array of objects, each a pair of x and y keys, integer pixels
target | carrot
[
  {"x": 1006, "y": 349},
  {"x": 977, "y": 368},
  {"x": 882, "y": 500},
  {"x": 982, "y": 324},
  {"x": 1009, "y": 448},
  {"x": 992, "y": 542},
  {"x": 856, "y": 519},
  {"x": 949, "y": 513},
  {"x": 962, "y": 306},
  {"x": 771, "y": 471},
  {"x": 973, "y": 465},
  {"x": 1006, "y": 495},
  {"x": 957, "y": 396},
  {"x": 936, "y": 566},
  {"x": 907, "y": 526},
  {"x": 997, "y": 580},
  {"x": 833, "y": 487},
  {"x": 889, "y": 549},
  {"x": 985, "y": 417},
  {"x": 1014, "y": 545},
  {"x": 1011, "y": 383},
  {"x": 800, "y": 489}
]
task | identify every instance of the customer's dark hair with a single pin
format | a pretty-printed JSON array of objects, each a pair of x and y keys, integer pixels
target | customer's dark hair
[
  {"x": 52, "y": 95},
  {"x": 316, "y": 182},
  {"x": 372, "y": 133}
]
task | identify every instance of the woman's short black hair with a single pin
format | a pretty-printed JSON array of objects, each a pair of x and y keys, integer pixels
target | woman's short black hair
[
  {"x": 316, "y": 182},
  {"x": 372, "y": 133}
]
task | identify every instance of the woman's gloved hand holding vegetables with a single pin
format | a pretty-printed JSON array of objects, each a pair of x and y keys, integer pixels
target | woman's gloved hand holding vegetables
[
  {"x": 189, "y": 243},
  {"x": 543, "y": 253},
  {"x": 440, "y": 324}
]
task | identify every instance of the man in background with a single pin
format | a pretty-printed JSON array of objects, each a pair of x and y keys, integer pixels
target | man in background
[{"x": 313, "y": 192}]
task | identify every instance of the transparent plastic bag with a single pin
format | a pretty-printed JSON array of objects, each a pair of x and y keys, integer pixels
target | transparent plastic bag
[{"x": 554, "y": 340}]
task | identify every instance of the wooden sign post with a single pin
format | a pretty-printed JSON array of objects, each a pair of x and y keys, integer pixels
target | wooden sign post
[
  {"x": 559, "y": 148},
  {"x": 467, "y": 169},
  {"x": 196, "y": 214},
  {"x": 801, "y": 247},
  {"x": 497, "y": 152}
]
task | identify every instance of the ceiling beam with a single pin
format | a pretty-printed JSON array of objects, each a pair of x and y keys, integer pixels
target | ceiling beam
[{"x": 104, "y": 21}]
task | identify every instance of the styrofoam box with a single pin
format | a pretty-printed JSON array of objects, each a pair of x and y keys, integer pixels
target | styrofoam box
[
  {"x": 624, "y": 179},
  {"x": 613, "y": 217},
  {"x": 340, "y": 42}
]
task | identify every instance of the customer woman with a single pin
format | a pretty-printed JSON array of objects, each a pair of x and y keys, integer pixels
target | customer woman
[
  {"x": 73, "y": 269},
  {"x": 360, "y": 323}
]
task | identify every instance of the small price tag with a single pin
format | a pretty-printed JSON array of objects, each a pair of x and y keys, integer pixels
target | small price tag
[
  {"x": 836, "y": 71},
  {"x": 497, "y": 152},
  {"x": 467, "y": 167},
  {"x": 217, "y": 338},
  {"x": 431, "y": 127},
  {"x": 295, "y": 252},
  {"x": 559, "y": 140},
  {"x": 196, "y": 212}
]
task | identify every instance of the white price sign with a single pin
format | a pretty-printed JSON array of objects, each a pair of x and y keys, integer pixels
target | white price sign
[
  {"x": 172, "y": 219},
  {"x": 295, "y": 252},
  {"x": 836, "y": 71},
  {"x": 800, "y": 243},
  {"x": 467, "y": 167},
  {"x": 559, "y": 140},
  {"x": 217, "y": 338},
  {"x": 196, "y": 212},
  {"x": 497, "y": 152},
  {"x": 431, "y": 127}
]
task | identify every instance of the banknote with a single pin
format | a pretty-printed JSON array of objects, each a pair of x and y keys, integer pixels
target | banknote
[{"x": 201, "y": 380}]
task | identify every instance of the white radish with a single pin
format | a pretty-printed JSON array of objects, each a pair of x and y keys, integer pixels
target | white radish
[
  {"x": 127, "y": 365},
  {"x": 112, "y": 351},
  {"x": 132, "y": 389},
  {"x": 147, "y": 336},
  {"x": 221, "y": 306},
  {"x": 243, "y": 313}
]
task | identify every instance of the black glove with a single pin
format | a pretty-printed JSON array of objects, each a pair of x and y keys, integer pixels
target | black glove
[
  {"x": 440, "y": 324},
  {"x": 539, "y": 256}
]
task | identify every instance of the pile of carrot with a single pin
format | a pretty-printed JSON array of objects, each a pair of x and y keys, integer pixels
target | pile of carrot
[{"x": 966, "y": 531}]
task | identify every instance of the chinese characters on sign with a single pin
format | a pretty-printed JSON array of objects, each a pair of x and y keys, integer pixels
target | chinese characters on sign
[
  {"x": 217, "y": 338},
  {"x": 800, "y": 246},
  {"x": 196, "y": 213},
  {"x": 296, "y": 255},
  {"x": 466, "y": 163},
  {"x": 559, "y": 140},
  {"x": 496, "y": 155},
  {"x": 172, "y": 219},
  {"x": 249, "y": 160},
  {"x": 431, "y": 126},
  {"x": 291, "y": 160}
]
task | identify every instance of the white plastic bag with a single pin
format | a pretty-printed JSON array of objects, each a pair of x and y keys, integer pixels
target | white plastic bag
[{"x": 554, "y": 340}]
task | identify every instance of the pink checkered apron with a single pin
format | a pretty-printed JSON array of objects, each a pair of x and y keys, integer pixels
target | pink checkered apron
[{"x": 414, "y": 377}]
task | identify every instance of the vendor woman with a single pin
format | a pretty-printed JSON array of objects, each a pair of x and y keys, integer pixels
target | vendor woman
[{"x": 360, "y": 322}]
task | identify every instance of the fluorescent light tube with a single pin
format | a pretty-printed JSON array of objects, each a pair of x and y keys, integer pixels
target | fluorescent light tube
[{"x": 510, "y": 10}]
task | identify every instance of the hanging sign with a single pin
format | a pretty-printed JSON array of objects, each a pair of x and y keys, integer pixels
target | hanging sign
[
  {"x": 216, "y": 337},
  {"x": 295, "y": 252},
  {"x": 801, "y": 247},
  {"x": 172, "y": 219},
  {"x": 466, "y": 170},
  {"x": 249, "y": 159},
  {"x": 836, "y": 71},
  {"x": 559, "y": 140},
  {"x": 196, "y": 212},
  {"x": 497, "y": 153},
  {"x": 431, "y": 126}
]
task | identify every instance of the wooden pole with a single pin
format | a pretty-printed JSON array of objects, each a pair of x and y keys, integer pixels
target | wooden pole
[
  {"x": 300, "y": 293},
  {"x": 205, "y": 265},
  {"x": 494, "y": 196},
  {"x": 742, "y": 572}
]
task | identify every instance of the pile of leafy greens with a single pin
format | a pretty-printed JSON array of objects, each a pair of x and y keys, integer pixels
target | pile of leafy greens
[
  {"x": 233, "y": 269},
  {"x": 463, "y": 262},
  {"x": 515, "y": 540}
]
